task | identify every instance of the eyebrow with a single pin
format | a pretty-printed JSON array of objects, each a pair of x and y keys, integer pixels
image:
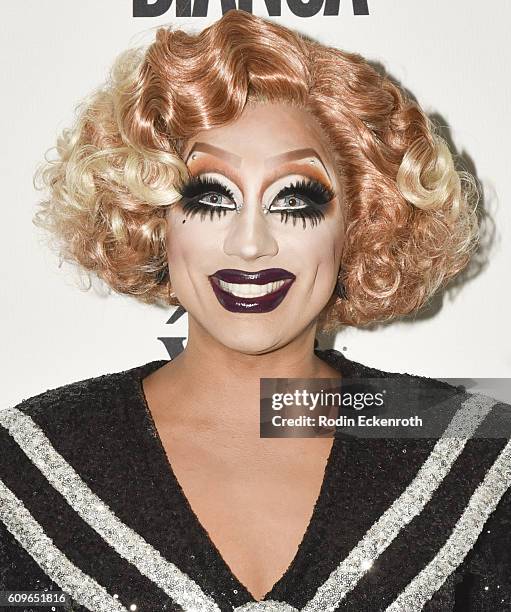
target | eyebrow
[
  {"x": 276, "y": 160},
  {"x": 294, "y": 155},
  {"x": 204, "y": 147}
]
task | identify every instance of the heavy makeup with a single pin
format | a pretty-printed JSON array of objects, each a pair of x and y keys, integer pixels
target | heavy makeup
[{"x": 254, "y": 246}]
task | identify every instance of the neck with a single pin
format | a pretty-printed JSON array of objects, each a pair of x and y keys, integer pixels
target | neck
[{"x": 219, "y": 386}]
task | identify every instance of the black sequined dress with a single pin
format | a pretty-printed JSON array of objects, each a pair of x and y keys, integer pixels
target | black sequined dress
[{"x": 89, "y": 505}]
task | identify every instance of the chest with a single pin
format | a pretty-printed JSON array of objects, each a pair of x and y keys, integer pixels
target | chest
[{"x": 256, "y": 507}]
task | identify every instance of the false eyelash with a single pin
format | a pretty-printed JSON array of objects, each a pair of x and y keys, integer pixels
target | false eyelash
[
  {"x": 199, "y": 185},
  {"x": 311, "y": 190},
  {"x": 193, "y": 207},
  {"x": 312, "y": 215},
  {"x": 317, "y": 195}
]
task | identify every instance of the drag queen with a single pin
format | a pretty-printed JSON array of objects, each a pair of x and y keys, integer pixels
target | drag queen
[{"x": 272, "y": 187}]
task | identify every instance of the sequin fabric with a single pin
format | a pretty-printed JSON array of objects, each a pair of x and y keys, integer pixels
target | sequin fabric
[
  {"x": 405, "y": 508},
  {"x": 99, "y": 516},
  {"x": 70, "y": 578},
  {"x": 467, "y": 529},
  {"x": 399, "y": 525}
]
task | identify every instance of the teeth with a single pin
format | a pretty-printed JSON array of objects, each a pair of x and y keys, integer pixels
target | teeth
[{"x": 250, "y": 290}]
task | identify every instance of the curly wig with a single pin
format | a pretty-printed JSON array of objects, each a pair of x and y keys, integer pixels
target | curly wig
[{"x": 411, "y": 223}]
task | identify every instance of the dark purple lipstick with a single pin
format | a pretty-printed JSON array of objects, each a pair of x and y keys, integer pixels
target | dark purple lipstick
[{"x": 224, "y": 285}]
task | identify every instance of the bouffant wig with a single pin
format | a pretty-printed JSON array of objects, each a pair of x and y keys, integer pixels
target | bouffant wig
[{"x": 411, "y": 223}]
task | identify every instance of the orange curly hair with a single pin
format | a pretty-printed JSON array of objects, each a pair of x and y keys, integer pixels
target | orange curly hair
[{"x": 411, "y": 220}]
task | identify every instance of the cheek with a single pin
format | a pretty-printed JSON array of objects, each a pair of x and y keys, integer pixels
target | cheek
[
  {"x": 315, "y": 247},
  {"x": 328, "y": 243},
  {"x": 188, "y": 240}
]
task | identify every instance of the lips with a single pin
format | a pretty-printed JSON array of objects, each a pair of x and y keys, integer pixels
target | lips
[{"x": 262, "y": 291}]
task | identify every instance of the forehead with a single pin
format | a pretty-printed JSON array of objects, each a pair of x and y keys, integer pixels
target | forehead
[{"x": 265, "y": 132}]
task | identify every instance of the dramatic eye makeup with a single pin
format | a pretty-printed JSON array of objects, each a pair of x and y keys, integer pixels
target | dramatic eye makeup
[
  {"x": 304, "y": 199},
  {"x": 206, "y": 196}
]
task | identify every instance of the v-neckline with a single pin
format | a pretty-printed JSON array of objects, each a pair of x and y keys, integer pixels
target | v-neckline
[{"x": 308, "y": 538}]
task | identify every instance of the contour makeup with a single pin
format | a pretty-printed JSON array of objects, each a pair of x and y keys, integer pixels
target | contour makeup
[{"x": 241, "y": 291}]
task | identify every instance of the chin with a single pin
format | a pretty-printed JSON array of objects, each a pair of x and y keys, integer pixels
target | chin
[
  {"x": 255, "y": 335},
  {"x": 252, "y": 334},
  {"x": 252, "y": 339}
]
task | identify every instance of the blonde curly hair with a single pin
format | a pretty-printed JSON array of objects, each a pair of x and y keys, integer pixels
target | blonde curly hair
[{"x": 411, "y": 216}]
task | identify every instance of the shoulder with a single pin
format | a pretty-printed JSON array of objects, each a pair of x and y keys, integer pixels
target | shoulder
[
  {"x": 35, "y": 435},
  {"x": 485, "y": 576},
  {"x": 74, "y": 439},
  {"x": 350, "y": 368},
  {"x": 77, "y": 419},
  {"x": 471, "y": 460},
  {"x": 353, "y": 369},
  {"x": 67, "y": 420},
  {"x": 89, "y": 392},
  {"x": 92, "y": 394}
]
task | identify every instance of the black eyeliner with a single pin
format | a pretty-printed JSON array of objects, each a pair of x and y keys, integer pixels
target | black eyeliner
[
  {"x": 200, "y": 185},
  {"x": 317, "y": 193},
  {"x": 314, "y": 193}
]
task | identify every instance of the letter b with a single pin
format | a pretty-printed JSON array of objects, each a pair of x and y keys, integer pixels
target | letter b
[{"x": 144, "y": 8}]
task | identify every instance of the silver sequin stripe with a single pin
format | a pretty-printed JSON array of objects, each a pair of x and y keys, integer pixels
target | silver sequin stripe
[
  {"x": 100, "y": 517},
  {"x": 29, "y": 533},
  {"x": 482, "y": 503},
  {"x": 407, "y": 506},
  {"x": 268, "y": 605}
]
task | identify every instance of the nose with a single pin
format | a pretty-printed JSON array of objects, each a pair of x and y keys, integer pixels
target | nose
[{"x": 249, "y": 235}]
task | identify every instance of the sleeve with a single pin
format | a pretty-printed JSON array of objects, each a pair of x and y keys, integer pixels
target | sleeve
[
  {"x": 19, "y": 572},
  {"x": 485, "y": 582},
  {"x": 19, "y": 492}
]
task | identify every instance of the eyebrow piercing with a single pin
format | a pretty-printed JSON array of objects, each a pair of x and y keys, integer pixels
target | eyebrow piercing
[{"x": 194, "y": 155}]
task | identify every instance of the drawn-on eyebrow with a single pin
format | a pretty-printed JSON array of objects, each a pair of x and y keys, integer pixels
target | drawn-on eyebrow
[
  {"x": 231, "y": 158},
  {"x": 294, "y": 155},
  {"x": 275, "y": 160}
]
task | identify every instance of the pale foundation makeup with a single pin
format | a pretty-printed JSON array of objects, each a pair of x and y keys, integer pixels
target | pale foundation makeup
[{"x": 254, "y": 247}]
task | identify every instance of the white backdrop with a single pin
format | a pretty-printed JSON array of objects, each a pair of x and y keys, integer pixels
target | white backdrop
[{"x": 453, "y": 56}]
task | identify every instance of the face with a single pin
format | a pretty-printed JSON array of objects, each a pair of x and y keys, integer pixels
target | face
[{"x": 254, "y": 247}]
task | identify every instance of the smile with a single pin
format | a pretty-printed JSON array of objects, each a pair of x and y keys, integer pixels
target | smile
[
  {"x": 250, "y": 290},
  {"x": 262, "y": 291}
]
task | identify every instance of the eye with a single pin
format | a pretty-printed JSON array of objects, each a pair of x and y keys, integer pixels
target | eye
[
  {"x": 287, "y": 202},
  {"x": 206, "y": 195},
  {"x": 216, "y": 199},
  {"x": 305, "y": 199}
]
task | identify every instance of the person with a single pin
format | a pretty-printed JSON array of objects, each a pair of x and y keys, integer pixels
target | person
[{"x": 273, "y": 187}]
